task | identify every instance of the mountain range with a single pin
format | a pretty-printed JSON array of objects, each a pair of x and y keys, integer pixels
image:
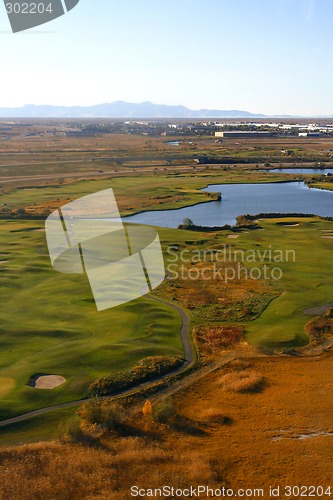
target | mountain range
[{"x": 121, "y": 109}]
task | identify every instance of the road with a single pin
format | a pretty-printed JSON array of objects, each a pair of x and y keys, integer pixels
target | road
[{"x": 189, "y": 357}]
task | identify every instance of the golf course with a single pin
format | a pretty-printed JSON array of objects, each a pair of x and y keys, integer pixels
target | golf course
[{"x": 55, "y": 343}]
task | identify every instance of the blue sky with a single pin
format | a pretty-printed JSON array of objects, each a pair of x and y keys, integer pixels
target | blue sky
[{"x": 267, "y": 56}]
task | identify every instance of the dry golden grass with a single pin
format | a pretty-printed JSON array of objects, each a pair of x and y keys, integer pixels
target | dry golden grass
[
  {"x": 239, "y": 299},
  {"x": 214, "y": 338},
  {"x": 260, "y": 447},
  {"x": 70, "y": 472},
  {"x": 244, "y": 381},
  {"x": 213, "y": 415}
]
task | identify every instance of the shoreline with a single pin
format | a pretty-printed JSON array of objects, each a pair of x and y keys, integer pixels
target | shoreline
[{"x": 139, "y": 212}]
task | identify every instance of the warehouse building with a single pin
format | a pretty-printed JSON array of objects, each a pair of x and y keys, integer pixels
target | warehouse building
[{"x": 237, "y": 134}]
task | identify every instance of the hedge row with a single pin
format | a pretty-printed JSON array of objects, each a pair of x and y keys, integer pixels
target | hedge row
[{"x": 150, "y": 368}]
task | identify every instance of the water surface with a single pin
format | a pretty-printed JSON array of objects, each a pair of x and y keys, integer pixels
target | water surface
[
  {"x": 301, "y": 171},
  {"x": 239, "y": 199}
]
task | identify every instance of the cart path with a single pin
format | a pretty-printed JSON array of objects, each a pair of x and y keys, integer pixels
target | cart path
[{"x": 189, "y": 357}]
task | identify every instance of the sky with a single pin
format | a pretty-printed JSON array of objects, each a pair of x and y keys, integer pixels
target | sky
[{"x": 262, "y": 56}]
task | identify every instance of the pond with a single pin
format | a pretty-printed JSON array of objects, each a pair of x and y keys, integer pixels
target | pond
[
  {"x": 301, "y": 171},
  {"x": 239, "y": 199}
]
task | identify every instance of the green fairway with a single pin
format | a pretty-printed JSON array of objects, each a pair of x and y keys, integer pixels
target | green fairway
[
  {"x": 48, "y": 427},
  {"x": 306, "y": 281},
  {"x": 49, "y": 324},
  {"x": 135, "y": 193}
]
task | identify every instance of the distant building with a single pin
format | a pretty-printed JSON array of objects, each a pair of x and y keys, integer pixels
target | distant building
[
  {"x": 241, "y": 134},
  {"x": 310, "y": 134}
]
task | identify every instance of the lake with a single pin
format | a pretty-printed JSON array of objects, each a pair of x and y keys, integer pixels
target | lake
[
  {"x": 239, "y": 199},
  {"x": 302, "y": 171}
]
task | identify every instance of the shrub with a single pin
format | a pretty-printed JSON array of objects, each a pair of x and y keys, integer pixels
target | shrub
[
  {"x": 213, "y": 415},
  {"x": 246, "y": 381},
  {"x": 319, "y": 326},
  {"x": 147, "y": 369},
  {"x": 215, "y": 338},
  {"x": 164, "y": 411},
  {"x": 113, "y": 415},
  {"x": 103, "y": 413},
  {"x": 73, "y": 432},
  {"x": 147, "y": 409},
  {"x": 91, "y": 412}
]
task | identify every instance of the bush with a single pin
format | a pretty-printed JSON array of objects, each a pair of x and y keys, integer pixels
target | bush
[
  {"x": 164, "y": 411},
  {"x": 246, "y": 381},
  {"x": 103, "y": 413},
  {"x": 113, "y": 416},
  {"x": 319, "y": 326},
  {"x": 147, "y": 369},
  {"x": 73, "y": 432},
  {"x": 91, "y": 412},
  {"x": 213, "y": 415},
  {"x": 216, "y": 338}
]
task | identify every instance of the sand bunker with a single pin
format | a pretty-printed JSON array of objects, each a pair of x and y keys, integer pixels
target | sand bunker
[
  {"x": 233, "y": 236},
  {"x": 47, "y": 381},
  {"x": 328, "y": 237},
  {"x": 286, "y": 224}
]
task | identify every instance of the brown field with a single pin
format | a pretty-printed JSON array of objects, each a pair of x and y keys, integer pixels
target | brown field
[
  {"x": 282, "y": 435},
  {"x": 38, "y": 151}
]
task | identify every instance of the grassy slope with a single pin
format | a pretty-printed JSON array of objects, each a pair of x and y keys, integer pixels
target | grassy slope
[
  {"x": 306, "y": 282},
  {"x": 324, "y": 185},
  {"x": 50, "y": 325},
  {"x": 46, "y": 427},
  {"x": 141, "y": 192}
]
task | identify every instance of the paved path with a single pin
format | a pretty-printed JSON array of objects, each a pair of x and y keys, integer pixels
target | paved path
[{"x": 189, "y": 357}]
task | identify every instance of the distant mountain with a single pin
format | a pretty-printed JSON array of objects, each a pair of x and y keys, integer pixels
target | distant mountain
[{"x": 121, "y": 109}]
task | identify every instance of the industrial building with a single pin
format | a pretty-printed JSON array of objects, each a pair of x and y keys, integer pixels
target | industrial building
[{"x": 237, "y": 134}]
